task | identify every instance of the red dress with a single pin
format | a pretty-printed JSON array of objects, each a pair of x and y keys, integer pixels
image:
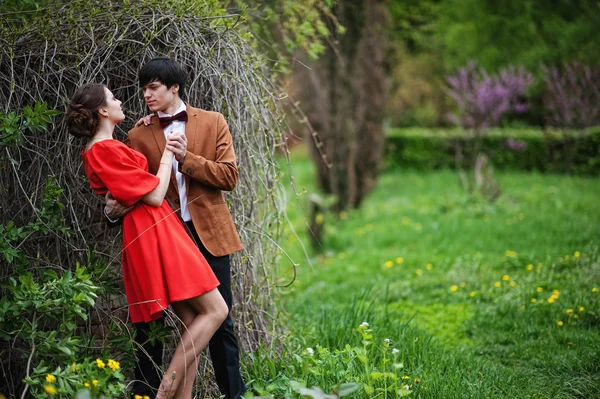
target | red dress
[{"x": 161, "y": 264}]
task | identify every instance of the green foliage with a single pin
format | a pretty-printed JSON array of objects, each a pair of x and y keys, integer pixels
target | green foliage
[
  {"x": 283, "y": 27},
  {"x": 13, "y": 126},
  {"x": 552, "y": 151},
  {"x": 44, "y": 306},
  {"x": 521, "y": 32},
  {"x": 100, "y": 378},
  {"x": 370, "y": 361}
]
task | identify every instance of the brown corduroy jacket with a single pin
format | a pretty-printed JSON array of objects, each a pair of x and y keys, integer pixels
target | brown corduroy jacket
[{"x": 210, "y": 167}]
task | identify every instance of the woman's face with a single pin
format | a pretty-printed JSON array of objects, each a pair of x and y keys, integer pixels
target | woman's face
[{"x": 113, "y": 107}]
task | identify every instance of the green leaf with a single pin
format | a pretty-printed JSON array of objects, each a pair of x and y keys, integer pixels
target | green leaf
[
  {"x": 368, "y": 389},
  {"x": 376, "y": 375},
  {"x": 64, "y": 349},
  {"x": 347, "y": 388}
]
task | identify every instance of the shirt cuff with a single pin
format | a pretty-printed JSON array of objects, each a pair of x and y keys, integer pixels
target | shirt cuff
[{"x": 109, "y": 218}]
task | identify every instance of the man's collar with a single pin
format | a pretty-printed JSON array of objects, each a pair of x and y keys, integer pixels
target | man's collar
[{"x": 182, "y": 107}]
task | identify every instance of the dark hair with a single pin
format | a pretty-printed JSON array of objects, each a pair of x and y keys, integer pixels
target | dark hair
[
  {"x": 165, "y": 71},
  {"x": 82, "y": 115}
]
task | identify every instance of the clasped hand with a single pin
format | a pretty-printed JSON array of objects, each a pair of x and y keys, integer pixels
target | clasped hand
[{"x": 176, "y": 142}]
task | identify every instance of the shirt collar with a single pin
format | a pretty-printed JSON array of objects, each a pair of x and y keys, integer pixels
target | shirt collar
[{"x": 182, "y": 107}]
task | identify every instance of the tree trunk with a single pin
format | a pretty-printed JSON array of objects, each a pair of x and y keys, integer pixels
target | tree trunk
[{"x": 343, "y": 95}]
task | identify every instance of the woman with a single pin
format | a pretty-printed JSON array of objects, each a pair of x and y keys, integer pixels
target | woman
[{"x": 161, "y": 265}]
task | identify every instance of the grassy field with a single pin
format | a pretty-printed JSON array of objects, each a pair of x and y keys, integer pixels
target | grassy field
[{"x": 427, "y": 293}]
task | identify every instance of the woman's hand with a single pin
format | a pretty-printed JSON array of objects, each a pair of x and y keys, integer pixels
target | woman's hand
[{"x": 146, "y": 120}]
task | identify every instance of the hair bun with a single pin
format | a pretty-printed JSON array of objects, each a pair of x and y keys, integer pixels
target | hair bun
[
  {"x": 81, "y": 121},
  {"x": 82, "y": 113}
]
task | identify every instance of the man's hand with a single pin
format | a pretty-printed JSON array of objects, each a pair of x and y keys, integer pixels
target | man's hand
[
  {"x": 146, "y": 120},
  {"x": 177, "y": 142},
  {"x": 113, "y": 209}
]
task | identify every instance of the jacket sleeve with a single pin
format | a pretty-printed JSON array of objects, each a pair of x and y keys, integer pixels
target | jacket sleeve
[{"x": 221, "y": 173}]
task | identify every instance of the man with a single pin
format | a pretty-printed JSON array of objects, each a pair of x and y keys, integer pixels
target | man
[{"x": 204, "y": 165}]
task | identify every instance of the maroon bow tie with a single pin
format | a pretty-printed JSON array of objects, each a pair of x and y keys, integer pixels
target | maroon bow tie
[{"x": 166, "y": 121}]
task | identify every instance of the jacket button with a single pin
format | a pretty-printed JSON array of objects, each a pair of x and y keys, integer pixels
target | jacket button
[
  {"x": 189, "y": 171},
  {"x": 177, "y": 201}
]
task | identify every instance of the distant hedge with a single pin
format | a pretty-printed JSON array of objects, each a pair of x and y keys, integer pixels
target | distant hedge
[{"x": 553, "y": 151}]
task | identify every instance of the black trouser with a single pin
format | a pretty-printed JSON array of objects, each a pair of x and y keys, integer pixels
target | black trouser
[{"x": 223, "y": 346}]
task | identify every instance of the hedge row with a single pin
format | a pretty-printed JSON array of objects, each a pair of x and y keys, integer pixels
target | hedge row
[{"x": 551, "y": 151}]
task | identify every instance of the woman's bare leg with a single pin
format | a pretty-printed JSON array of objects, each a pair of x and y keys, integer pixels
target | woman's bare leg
[
  {"x": 186, "y": 314},
  {"x": 211, "y": 310}
]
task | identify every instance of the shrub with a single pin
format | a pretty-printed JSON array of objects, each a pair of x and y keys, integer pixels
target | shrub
[
  {"x": 551, "y": 151},
  {"x": 572, "y": 96}
]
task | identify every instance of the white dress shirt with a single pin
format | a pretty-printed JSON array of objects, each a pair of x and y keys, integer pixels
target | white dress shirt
[{"x": 178, "y": 126}]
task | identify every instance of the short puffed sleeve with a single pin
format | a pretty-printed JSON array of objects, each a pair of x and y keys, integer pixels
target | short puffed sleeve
[{"x": 123, "y": 174}]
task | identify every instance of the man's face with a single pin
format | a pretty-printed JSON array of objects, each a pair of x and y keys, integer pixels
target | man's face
[{"x": 159, "y": 97}]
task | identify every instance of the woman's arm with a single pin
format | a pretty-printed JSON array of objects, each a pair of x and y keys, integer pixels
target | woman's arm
[{"x": 156, "y": 196}]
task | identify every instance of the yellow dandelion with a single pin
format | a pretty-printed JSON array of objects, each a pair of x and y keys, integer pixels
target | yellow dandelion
[
  {"x": 472, "y": 294},
  {"x": 87, "y": 384},
  {"x": 50, "y": 389},
  {"x": 429, "y": 266},
  {"x": 556, "y": 293},
  {"x": 577, "y": 254},
  {"x": 454, "y": 288},
  {"x": 419, "y": 272},
  {"x": 529, "y": 267},
  {"x": 138, "y": 397},
  {"x": 569, "y": 311},
  {"x": 113, "y": 364},
  {"x": 100, "y": 363},
  {"x": 512, "y": 284},
  {"x": 506, "y": 277},
  {"x": 399, "y": 260},
  {"x": 50, "y": 378},
  {"x": 581, "y": 308},
  {"x": 146, "y": 397},
  {"x": 95, "y": 383},
  {"x": 497, "y": 284},
  {"x": 389, "y": 264},
  {"x": 560, "y": 323},
  {"x": 551, "y": 299},
  {"x": 594, "y": 289},
  {"x": 539, "y": 289},
  {"x": 74, "y": 367},
  {"x": 406, "y": 377},
  {"x": 417, "y": 380},
  {"x": 533, "y": 300}
]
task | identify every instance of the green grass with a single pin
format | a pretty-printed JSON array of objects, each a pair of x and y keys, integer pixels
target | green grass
[{"x": 466, "y": 325}]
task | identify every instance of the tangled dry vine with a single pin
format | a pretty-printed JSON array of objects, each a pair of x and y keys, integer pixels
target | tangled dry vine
[{"x": 107, "y": 42}]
